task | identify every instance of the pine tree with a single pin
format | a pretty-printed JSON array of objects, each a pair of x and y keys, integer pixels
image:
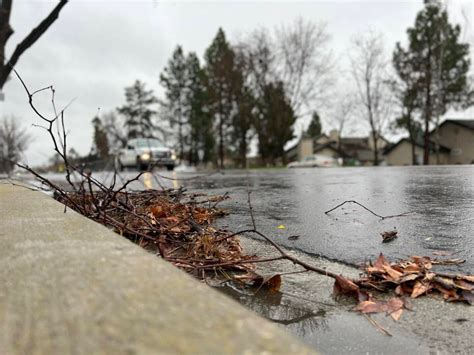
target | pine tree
[
  {"x": 200, "y": 120},
  {"x": 175, "y": 81},
  {"x": 219, "y": 71},
  {"x": 138, "y": 111},
  {"x": 245, "y": 103},
  {"x": 314, "y": 129},
  {"x": 438, "y": 64},
  {"x": 275, "y": 123}
]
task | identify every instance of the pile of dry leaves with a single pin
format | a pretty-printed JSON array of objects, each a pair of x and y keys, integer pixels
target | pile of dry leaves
[
  {"x": 174, "y": 225},
  {"x": 408, "y": 279}
]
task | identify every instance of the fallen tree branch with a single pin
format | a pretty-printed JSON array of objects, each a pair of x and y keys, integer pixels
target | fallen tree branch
[{"x": 367, "y": 209}]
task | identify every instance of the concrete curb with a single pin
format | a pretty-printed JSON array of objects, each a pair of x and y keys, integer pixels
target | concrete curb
[{"x": 71, "y": 286}]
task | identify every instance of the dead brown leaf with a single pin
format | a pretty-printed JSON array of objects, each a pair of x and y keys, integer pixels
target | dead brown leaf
[
  {"x": 272, "y": 283},
  {"x": 393, "y": 307},
  {"x": 343, "y": 286},
  {"x": 469, "y": 278},
  {"x": 396, "y": 315},
  {"x": 394, "y": 275},
  {"x": 371, "y": 307},
  {"x": 423, "y": 261},
  {"x": 420, "y": 288},
  {"x": 158, "y": 211},
  {"x": 464, "y": 285},
  {"x": 411, "y": 268},
  {"x": 409, "y": 277},
  {"x": 381, "y": 262},
  {"x": 467, "y": 296},
  {"x": 388, "y": 236}
]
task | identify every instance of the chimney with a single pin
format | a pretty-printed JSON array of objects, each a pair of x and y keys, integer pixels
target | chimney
[{"x": 334, "y": 135}]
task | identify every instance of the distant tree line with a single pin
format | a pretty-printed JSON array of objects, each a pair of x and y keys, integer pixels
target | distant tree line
[{"x": 253, "y": 90}]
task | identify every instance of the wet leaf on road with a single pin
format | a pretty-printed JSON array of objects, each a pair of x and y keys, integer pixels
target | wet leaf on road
[
  {"x": 393, "y": 307},
  {"x": 389, "y": 236},
  {"x": 343, "y": 286}
]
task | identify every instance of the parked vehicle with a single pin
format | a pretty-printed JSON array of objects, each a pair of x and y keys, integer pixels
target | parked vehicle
[
  {"x": 316, "y": 160},
  {"x": 144, "y": 153}
]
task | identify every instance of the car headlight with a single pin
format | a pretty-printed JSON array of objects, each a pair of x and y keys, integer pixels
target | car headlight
[
  {"x": 173, "y": 155},
  {"x": 145, "y": 156}
]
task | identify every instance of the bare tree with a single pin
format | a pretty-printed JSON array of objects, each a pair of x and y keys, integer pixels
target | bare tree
[
  {"x": 261, "y": 57},
  {"x": 6, "y": 31},
  {"x": 304, "y": 63},
  {"x": 13, "y": 142},
  {"x": 368, "y": 64},
  {"x": 114, "y": 128},
  {"x": 343, "y": 114}
]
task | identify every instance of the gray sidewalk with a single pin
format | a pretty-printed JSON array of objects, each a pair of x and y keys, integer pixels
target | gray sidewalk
[{"x": 70, "y": 286}]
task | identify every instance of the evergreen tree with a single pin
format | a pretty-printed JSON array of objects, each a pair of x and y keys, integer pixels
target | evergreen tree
[
  {"x": 275, "y": 123},
  {"x": 175, "y": 80},
  {"x": 314, "y": 129},
  {"x": 100, "y": 141},
  {"x": 437, "y": 63},
  {"x": 200, "y": 120},
  {"x": 220, "y": 71},
  {"x": 245, "y": 102},
  {"x": 137, "y": 111}
]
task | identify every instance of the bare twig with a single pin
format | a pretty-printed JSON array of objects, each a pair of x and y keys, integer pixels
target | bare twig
[
  {"x": 367, "y": 209},
  {"x": 250, "y": 203},
  {"x": 377, "y": 325}
]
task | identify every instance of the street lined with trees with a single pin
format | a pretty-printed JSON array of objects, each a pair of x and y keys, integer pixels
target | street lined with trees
[
  {"x": 260, "y": 92},
  {"x": 251, "y": 93}
]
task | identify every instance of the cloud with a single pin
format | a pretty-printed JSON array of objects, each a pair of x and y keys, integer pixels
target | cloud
[{"x": 97, "y": 48}]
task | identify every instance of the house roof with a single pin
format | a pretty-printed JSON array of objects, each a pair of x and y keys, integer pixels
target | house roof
[
  {"x": 295, "y": 145},
  {"x": 469, "y": 124},
  {"x": 442, "y": 148},
  {"x": 328, "y": 145}
]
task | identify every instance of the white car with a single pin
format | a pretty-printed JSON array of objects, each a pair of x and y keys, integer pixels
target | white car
[
  {"x": 316, "y": 160},
  {"x": 144, "y": 153}
]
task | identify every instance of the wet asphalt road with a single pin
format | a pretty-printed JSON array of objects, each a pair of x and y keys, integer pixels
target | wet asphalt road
[{"x": 440, "y": 201}]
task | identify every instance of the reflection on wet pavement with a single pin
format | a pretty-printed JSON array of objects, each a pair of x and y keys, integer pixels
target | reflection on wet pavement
[{"x": 441, "y": 199}]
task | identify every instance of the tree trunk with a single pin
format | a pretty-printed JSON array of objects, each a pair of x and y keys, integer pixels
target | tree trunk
[
  {"x": 181, "y": 141},
  {"x": 426, "y": 145},
  {"x": 5, "y": 29},
  {"x": 243, "y": 151},
  {"x": 412, "y": 136},
  {"x": 376, "y": 149},
  {"x": 428, "y": 109},
  {"x": 221, "y": 142}
]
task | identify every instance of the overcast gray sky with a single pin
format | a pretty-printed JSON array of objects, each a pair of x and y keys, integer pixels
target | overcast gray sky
[{"x": 96, "y": 48}]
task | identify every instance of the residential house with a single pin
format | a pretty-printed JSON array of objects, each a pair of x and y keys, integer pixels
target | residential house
[
  {"x": 400, "y": 153},
  {"x": 354, "y": 150},
  {"x": 456, "y": 145}
]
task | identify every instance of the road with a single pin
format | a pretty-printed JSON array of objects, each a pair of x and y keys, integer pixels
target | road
[{"x": 440, "y": 202}]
